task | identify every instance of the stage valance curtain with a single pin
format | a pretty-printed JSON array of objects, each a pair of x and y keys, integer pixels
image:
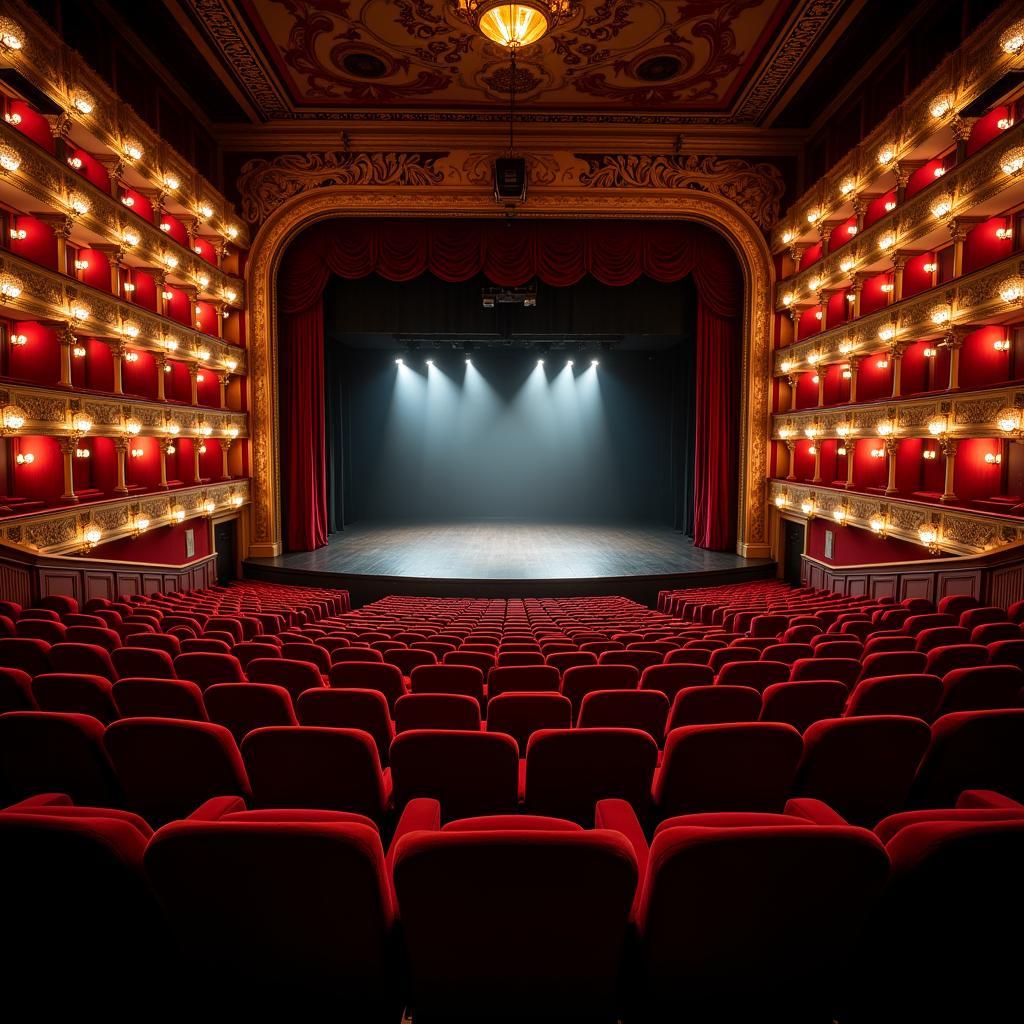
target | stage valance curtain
[{"x": 509, "y": 253}]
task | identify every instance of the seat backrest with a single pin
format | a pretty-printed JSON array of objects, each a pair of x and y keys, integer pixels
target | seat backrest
[
  {"x": 754, "y": 923},
  {"x": 637, "y": 658},
  {"x": 728, "y": 655},
  {"x": 941, "y": 660},
  {"x": 893, "y": 663},
  {"x": 671, "y": 678},
  {"x": 845, "y": 670},
  {"x": 456, "y": 679},
  {"x": 569, "y": 770},
  {"x": 250, "y": 650},
  {"x": 436, "y": 711},
  {"x": 307, "y": 652},
  {"x": 470, "y": 773},
  {"x": 205, "y": 669},
  {"x": 25, "y": 653},
  {"x": 862, "y": 767},
  {"x": 838, "y": 648},
  {"x": 646, "y": 710},
  {"x": 88, "y": 658},
  {"x": 519, "y": 715},
  {"x": 342, "y": 654},
  {"x": 687, "y": 656},
  {"x": 143, "y": 661},
  {"x": 478, "y": 659},
  {"x": 917, "y": 695},
  {"x": 55, "y": 752},
  {"x": 148, "y": 697},
  {"x": 510, "y": 659},
  {"x": 568, "y": 659},
  {"x": 98, "y": 636},
  {"x": 979, "y": 616},
  {"x": 363, "y": 675},
  {"x": 802, "y": 702},
  {"x": 315, "y": 767},
  {"x": 583, "y": 679},
  {"x": 708, "y": 705},
  {"x": 787, "y": 652},
  {"x": 16, "y": 691},
  {"x": 204, "y": 755},
  {"x": 41, "y": 629},
  {"x": 491, "y": 911},
  {"x": 284, "y": 906},
  {"x": 409, "y": 658},
  {"x": 980, "y": 688},
  {"x": 523, "y": 679},
  {"x": 744, "y": 766},
  {"x": 295, "y": 676},
  {"x": 156, "y": 641},
  {"x": 757, "y": 674},
  {"x": 349, "y": 709},
  {"x": 78, "y": 693},
  {"x": 242, "y": 707}
]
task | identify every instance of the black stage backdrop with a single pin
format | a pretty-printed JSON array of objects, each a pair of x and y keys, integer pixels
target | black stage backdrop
[{"x": 503, "y": 440}]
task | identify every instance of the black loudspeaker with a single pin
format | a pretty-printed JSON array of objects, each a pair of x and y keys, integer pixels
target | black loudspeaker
[{"x": 510, "y": 179}]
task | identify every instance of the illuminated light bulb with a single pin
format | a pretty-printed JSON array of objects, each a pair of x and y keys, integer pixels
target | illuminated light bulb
[
  {"x": 25, "y": 458},
  {"x": 940, "y": 106},
  {"x": 79, "y": 352},
  {"x": 851, "y": 229},
  {"x": 202, "y": 449},
  {"x": 230, "y": 294},
  {"x": 130, "y": 238},
  {"x": 845, "y": 347},
  {"x": 787, "y": 237},
  {"x": 846, "y": 264},
  {"x": 812, "y": 450},
  {"x": 19, "y": 233},
  {"x": 80, "y": 205},
  {"x": 877, "y": 525},
  {"x": 203, "y": 280},
  {"x": 887, "y": 241},
  {"x": 18, "y": 340},
  {"x": 165, "y": 226},
  {"x": 807, "y": 507},
  {"x": 80, "y": 312},
  {"x": 886, "y": 155},
  {"x": 785, "y": 433},
  {"x": 237, "y": 500},
  {"x": 814, "y": 358},
  {"x": 942, "y": 207},
  {"x": 141, "y": 524},
  {"x": 200, "y": 378},
  {"x": 231, "y": 365},
  {"x": 75, "y": 163},
  {"x": 1012, "y": 40},
  {"x": 171, "y": 183},
  {"x": 887, "y": 289},
  {"x": 82, "y": 453},
  {"x": 851, "y": 296},
  {"x": 232, "y": 232},
  {"x": 884, "y": 429},
  {"x": 169, "y": 260},
  {"x": 130, "y": 331},
  {"x": 1004, "y": 233},
  {"x": 930, "y": 268},
  {"x": 132, "y": 427},
  {"x": 93, "y": 535},
  {"x": 815, "y": 283},
  {"x": 131, "y": 357},
  {"x": 171, "y": 449},
  {"x": 82, "y": 424},
  {"x": 170, "y": 344},
  {"x": 206, "y": 211},
  {"x": 930, "y": 353},
  {"x": 941, "y": 315},
  {"x": 10, "y": 289},
  {"x": 878, "y": 453},
  {"x": 172, "y": 429},
  {"x": 178, "y": 515},
  {"x": 886, "y": 333},
  {"x": 128, "y": 287},
  {"x": 81, "y": 264},
  {"x": 993, "y": 458},
  {"x": 781, "y": 501},
  {"x": 786, "y": 365},
  {"x": 810, "y": 432},
  {"x": 1001, "y": 344},
  {"x": 1012, "y": 289},
  {"x": 167, "y": 296},
  {"x": 167, "y": 369},
  {"x": 13, "y": 119},
  {"x": 847, "y": 187},
  {"x": 128, "y": 201},
  {"x": 890, "y": 206},
  {"x": 1013, "y": 162},
  {"x": 936, "y": 427},
  {"x": 209, "y": 507},
  {"x": 10, "y": 35},
  {"x": 813, "y": 216},
  {"x": 13, "y": 418},
  {"x": 929, "y": 453},
  {"x": 83, "y": 103},
  {"x": 133, "y": 151},
  {"x": 840, "y": 451},
  {"x": 818, "y": 315},
  {"x": 203, "y": 354},
  {"x": 847, "y": 373},
  {"x": 136, "y": 453},
  {"x": 232, "y": 432},
  {"x": 839, "y": 515},
  {"x": 197, "y": 249},
  {"x": 9, "y": 159},
  {"x": 928, "y": 534},
  {"x": 939, "y": 172},
  {"x": 1003, "y": 123},
  {"x": 788, "y": 299},
  {"x": 568, "y": 362}
]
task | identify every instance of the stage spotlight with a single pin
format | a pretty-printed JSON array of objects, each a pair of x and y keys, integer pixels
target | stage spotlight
[
  {"x": 430, "y": 362},
  {"x": 400, "y": 361},
  {"x": 569, "y": 362},
  {"x": 540, "y": 362},
  {"x": 468, "y": 361},
  {"x": 594, "y": 362}
]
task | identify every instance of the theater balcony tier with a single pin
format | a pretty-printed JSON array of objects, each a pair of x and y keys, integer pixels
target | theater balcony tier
[
  {"x": 30, "y": 292},
  {"x": 994, "y": 294},
  {"x": 942, "y": 214},
  {"x": 75, "y": 529},
  {"x": 953, "y": 531},
  {"x": 29, "y": 172},
  {"x": 927, "y": 122},
  {"x": 93, "y": 114}
]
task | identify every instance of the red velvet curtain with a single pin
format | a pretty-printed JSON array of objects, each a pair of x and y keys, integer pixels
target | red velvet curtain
[{"x": 512, "y": 253}]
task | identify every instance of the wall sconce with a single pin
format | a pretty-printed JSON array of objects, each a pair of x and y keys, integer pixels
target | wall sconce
[
  {"x": 205, "y": 211},
  {"x": 1013, "y": 162},
  {"x": 890, "y": 206},
  {"x": 887, "y": 241},
  {"x": 812, "y": 450},
  {"x": 878, "y": 453},
  {"x": 19, "y": 234},
  {"x": 1012, "y": 40},
  {"x": 938, "y": 172},
  {"x": 17, "y": 340},
  {"x": 807, "y": 507},
  {"x": 785, "y": 433},
  {"x": 128, "y": 287},
  {"x": 994, "y": 458},
  {"x": 136, "y": 453},
  {"x": 929, "y": 537},
  {"x": 82, "y": 102},
  {"x": 10, "y": 35},
  {"x": 25, "y": 458},
  {"x": 75, "y": 163},
  {"x": 879, "y": 526},
  {"x": 81, "y": 424},
  {"x": 781, "y": 500},
  {"x": 930, "y": 352},
  {"x": 82, "y": 453},
  {"x": 887, "y": 289},
  {"x": 237, "y": 500},
  {"x": 205, "y": 430},
  {"x": 202, "y": 280},
  {"x": 9, "y": 289},
  {"x": 942, "y": 207},
  {"x": 1012, "y": 289},
  {"x": 170, "y": 345},
  {"x": 887, "y": 333},
  {"x": 937, "y": 428},
  {"x": 12, "y": 419},
  {"x": 884, "y": 429},
  {"x": 231, "y": 432},
  {"x": 230, "y": 295},
  {"x": 815, "y": 379},
  {"x": 167, "y": 296},
  {"x": 231, "y": 231},
  {"x": 80, "y": 313},
  {"x": 788, "y": 299},
  {"x": 845, "y": 372},
  {"x": 231, "y": 365},
  {"x": 131, "y": 357},
  {"x": 941, "y": 315},
  {"x": 883, "y": 363},
  {"x": 1001, "y": 344},
  {"x": 930, "y": 268},
  {"x": 140, "y": 525},
  {"x": 178, "y": 515},
  {"x": 131, "y": 238},
  {"x": 200, "y": 378},
  {"x": 128, "y": 201},
  {"x": 170, "y": 261},
  {"x": 929, "y": 454},
  {"x": 940, "y": 107},
  {"x": 786, "y": 366},
  {"x": 886, "y": 155},
  {"x": 847, "y": 187},
  {"x": 10, "y": 160},
  {"x": 851, "y": 229},
  {"x": 133, "y": 428},
  {"x": 840, "y": 515},
  {"x": 812, "y": 216},
  {"x": 79, "y": 351},
  {"x": 202, "y": 449},
  {"x": 92, "y": 537},
  {"x": 203, "y": 355},
  {"x": 81, "y": 264},
  {"x": 1004, "y": 234},
  {"x": 1004, "y": 123},
  {"x": 209, "y": 507},
  {"x": 846, "y": 264}
]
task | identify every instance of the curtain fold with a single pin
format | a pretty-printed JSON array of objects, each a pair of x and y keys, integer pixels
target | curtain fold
[{"x": 509, "y": 253}]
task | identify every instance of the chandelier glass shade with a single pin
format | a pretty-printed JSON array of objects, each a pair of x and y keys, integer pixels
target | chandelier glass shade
[{"x": 514, "y": 25}]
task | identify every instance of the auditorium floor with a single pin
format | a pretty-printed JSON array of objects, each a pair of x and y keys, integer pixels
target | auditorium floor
[{"x": 516, "y": 550}]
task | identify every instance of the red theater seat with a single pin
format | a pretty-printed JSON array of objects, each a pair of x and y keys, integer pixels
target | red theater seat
[
  {"x": 41, "y": 629},
  {"x": 29, "y": 655},
  {"x": 142, "y": 697},
  {"x": 457, "y": 679},
  {"x": 917, "y": 695},
  {"x": 436, "y": 711},
  {"x": 801, "y": 703},
  {"x": 76, "y": 693},
  {"x": 143, "y": 661},
  {"x": 892, "y": 663},
  {"x": 578, "y": 682},
  {"x": 242, "y": 707},
  {"x": 646, "y": 710},
  {"x": 709, "y": 705},
  {"x": 980, "y": 688},
  {"x": 520, "y": 715},
  {"x": 16, "y": 691},
  {"x": 670, "y": 679},
  {"x": 206, "y": 669},
  {"x": 295, "y": 676},
  {"x": 349, "y": 709},
  {"x": 757, "y": 674},
  {"x": 523, "y": 679}
]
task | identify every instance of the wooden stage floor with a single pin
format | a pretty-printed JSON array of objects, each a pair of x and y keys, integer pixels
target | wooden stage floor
[{"x": 515, "y": 558}]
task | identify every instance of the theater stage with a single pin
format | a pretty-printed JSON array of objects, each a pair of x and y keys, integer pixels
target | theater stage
[{"x": 486, "y": 558}]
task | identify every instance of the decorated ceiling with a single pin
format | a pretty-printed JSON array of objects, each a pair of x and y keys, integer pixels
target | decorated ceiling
[{"x": 701, "y": 61}]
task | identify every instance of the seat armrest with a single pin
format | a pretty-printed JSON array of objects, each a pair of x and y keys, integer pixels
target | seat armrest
[
  {"x": 41, "y": 800},
  {"x": 216, "y": 807},
  {"x": 815, "y": 811},
  {"x": 987, "y": 799},
  {"x": 421, "y": 814},
  {"x": 619, "y": 816}
]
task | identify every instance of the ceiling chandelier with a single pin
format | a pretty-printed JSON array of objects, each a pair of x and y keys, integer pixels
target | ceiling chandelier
[{"x": 514, "y": 24}]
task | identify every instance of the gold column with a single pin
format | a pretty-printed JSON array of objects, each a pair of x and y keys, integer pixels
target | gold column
[
  {"x": 949, "y": 453},
  {"x": 117, "y": 350},
  {"x": 962, "y": 132},
  {"x": 193, "y": 374},
  {"x": 796, "y": 254},
  {"x": 165, "y": 444},
  {"x": 891, "y": 448},
  {"x": 161, "y": 285},
  {"x": 67, "y": 449},
  {"x": 222, "y": 379},
  {"x": 850, "y": 448},
  {"x": 794, "y": 315},
  {"x": 60, "y": 224},
  {"x": 860, "y": 208},
  {"x": 957, "y": 233},
  {"x": 899, "y": 262},
  {"x": 225, "y": 448},
  {"x": 820, "y": 372},
  {"x": 857, "y": 286},
  {"x": 823, "y": 303},
  {"x": 897, "y": 368},
  {"x": 791, "y": 447},
  {"x": 218, "y": 309},
  {"x": 854, "y": 370},
  {"x": 817, "y": 462},
  {"x": 122, "y": 445},
  {"x": 67, "y": 340},
  {"x": 954, "y": 342},
  {"x": 197, "y": 443},
  {"x": 161, "y": 365}
]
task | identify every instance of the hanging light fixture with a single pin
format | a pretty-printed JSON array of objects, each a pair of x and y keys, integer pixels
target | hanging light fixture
[{"x": 514, "y": 24}]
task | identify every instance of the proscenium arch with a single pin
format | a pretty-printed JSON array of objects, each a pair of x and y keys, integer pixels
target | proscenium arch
[{"x": 289, "y": 220}]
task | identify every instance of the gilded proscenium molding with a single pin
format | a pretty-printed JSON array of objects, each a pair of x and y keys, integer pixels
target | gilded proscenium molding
[
  {"x": 561, "y": 201},
  {"x": 59, "y": 71},
  {"x": 56, "y": 185},
  {"x": 961, "y": 78},
  {"x": 756, "y": 189},
  {"x": 265, "y": 184},
  {"x": 959, "y": 532},
  {"x": 968, "y": 185},
  {"x": 60, "y": 531},
  {"x": 964, "y": 414},
  {"x": 970, "y": 300},
  {"x": 49, "y": 411},
  {"x": 48, "y": 295}
]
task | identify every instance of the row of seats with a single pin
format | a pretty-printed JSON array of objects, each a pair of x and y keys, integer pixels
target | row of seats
[
  {"x": 864, "y": 767},
  {"x": 787, "y": 916}
]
